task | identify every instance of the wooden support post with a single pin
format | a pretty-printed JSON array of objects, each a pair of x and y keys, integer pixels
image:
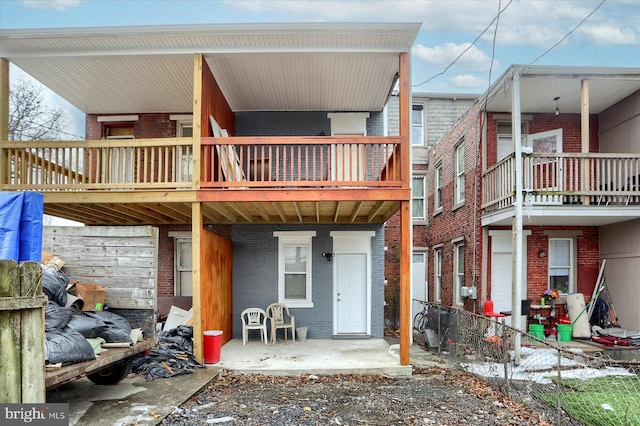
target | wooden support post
[
  {"x": 196, "y": 236},
  {"x": 197, "y": 119},
  {"x": 4, "y": 118},
  {"x": 405, "y": 281}
]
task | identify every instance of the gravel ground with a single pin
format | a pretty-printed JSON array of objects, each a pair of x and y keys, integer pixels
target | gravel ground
[{"x": 432, "y": 396}]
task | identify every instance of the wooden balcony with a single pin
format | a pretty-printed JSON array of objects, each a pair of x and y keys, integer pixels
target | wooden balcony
[
  {"x": 251, "y": 180},
  {"x": 594, "y": 179}
]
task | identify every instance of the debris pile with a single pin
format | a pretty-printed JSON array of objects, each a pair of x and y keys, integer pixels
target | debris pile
[{"x": 172, "y": 357}]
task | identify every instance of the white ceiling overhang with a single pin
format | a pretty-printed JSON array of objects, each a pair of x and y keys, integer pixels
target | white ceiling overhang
[
  {"x": 539, "y": 85},
  {"x": 310, "y": 66}
]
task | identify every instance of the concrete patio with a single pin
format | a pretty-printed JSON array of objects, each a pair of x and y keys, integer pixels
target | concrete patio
[{"x": 320, "y": 356}]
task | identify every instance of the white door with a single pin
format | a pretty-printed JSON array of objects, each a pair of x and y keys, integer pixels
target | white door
[
  {"x": 351, "y": 295},
  {"x": 501, "y": 274},
  {"x": 545, "y": 173},
  {"x": 418, "y": 282}
]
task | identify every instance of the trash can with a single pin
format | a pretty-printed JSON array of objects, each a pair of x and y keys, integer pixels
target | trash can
[
  {"x": 565, "y": 331},
  {"x": 536, "y": 331},
  {"x": 212, "y": 344},
  {"x": 301, "y": 334}
]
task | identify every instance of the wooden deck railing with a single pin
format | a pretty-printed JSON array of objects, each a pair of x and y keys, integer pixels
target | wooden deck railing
[
  {"x": 100, "y": 164},
  {"x": 272, "y": 162},
  {"x": 247, "y": 162},
  {"x": 565, "y": 178}
]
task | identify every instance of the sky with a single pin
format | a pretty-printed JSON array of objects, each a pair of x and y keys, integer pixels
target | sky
[{"x": 462, "y": 47}]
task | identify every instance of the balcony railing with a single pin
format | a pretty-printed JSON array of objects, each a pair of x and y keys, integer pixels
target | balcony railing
[
  {"x": 104, "y": 164},
  {"x": 248, "y": 162},
  {"x": 274, "y": 162},
  {"x": 565, "y": 178}
]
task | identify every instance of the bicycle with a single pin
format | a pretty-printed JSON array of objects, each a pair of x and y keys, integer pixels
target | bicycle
[{"x": 420, "y": 319}]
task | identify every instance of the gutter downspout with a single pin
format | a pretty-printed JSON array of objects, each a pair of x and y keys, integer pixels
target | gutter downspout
[{"x": 516, "y": 227}]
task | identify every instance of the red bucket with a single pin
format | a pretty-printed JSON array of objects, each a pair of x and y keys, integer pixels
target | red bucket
[{"x": 212, "y": 345}]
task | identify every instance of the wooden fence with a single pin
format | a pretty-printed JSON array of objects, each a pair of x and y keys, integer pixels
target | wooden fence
[{"x": 21, "y": 332}]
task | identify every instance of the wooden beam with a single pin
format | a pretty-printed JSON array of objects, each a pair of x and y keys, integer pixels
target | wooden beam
[
  {"x": 237, "y": 207},
  {"x": 211, "y": 214},
  {"x": 405, "y": 281},
  {"x": 298, "y": 212},
  {"x": 223, "y": 211},
  {"x": 356, "y": 210},
  {"x": 317, "y": 205},
  {"x": 163, "y": 196},
  {"x": 277, "y": 194},
  {"x": 336, "y": 215},
  {"x": 196, "y": 232},
  {"x": 263, "y": 213},
  {"x": 375, "y": 210},
  {"x": 405, "y": 120},
  {"x": 280, "y": 211}
]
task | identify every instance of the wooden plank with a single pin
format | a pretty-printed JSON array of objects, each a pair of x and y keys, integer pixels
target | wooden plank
[
  {"x": 73, "y": 371},
  {"x": 10, "y": 370},
  {"x": 20, "y": 303},
  {"x": 405, "y": 281}
]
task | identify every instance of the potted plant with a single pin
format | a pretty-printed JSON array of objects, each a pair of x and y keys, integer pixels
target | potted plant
[{"x": 549, "y": 296}]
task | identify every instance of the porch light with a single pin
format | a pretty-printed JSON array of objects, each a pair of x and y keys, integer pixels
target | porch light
[
  {"x": 328, "y": 255},
  {"x": 557, "y": 109},
  {"x": 542, "y": 253}
]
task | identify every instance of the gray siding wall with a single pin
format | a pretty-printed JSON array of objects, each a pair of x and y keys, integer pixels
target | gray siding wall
[
  {"x": 255, "y": 275},
  {"x": 295, "y": 123}
]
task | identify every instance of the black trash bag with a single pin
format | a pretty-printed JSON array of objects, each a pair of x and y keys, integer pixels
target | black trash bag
[
  {"x": 54, "y": 285},
  {"x": 86, "y": 325},
  {"x": 56, "y": 317},
  {"x": 180, "y": 338},
  {"x": 67, "y": 348},
  {"x": 118, "y": 328}
]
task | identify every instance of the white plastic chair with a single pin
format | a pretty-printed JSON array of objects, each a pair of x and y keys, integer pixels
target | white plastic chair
[
  {"x": 276, "y": 313},
  {"x": 254, "y": 319}
]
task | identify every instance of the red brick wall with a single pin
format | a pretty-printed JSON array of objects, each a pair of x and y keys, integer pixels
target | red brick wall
[
  {"x": 569, "y": 123},
  {"x": 454, "y": 222},
  {"x": 587, "y": 248}
]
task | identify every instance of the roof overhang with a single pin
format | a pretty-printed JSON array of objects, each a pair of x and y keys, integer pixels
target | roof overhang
[
  {"x": 259, "y": 67},
  {"x": 539, "y": 85}
]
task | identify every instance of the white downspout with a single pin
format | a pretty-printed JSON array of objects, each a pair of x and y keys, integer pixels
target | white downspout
[{"x": 516, "y": 280}]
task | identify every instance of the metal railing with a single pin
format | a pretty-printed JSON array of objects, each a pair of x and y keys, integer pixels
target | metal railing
[{"x": 567, "y": 386}]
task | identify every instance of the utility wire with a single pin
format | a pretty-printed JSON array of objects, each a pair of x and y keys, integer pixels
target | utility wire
[
  {"x": 566, "y": 35},
  {"x": 468, "y": 47}
]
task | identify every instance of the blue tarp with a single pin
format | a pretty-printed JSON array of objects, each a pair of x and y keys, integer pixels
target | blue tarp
[{"x": 21, "y": 216}]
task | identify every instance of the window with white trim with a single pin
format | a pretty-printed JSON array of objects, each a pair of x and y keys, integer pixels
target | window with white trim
[
  {"x": 418, "y": 210},
  {"x": 505, "y": 138},
  {"x": 437, "y": 273},
  {"x": 459, "y": 190},
  {"x": 561, "y": 265},
  {"x": 294, "y": 268},
  {"x": 458, "y": 270},
  {"x": 183, "y": 263},
  {"x": 184, "y": 173},
  {"x": 417, "y": 124},
  {"x": 437, "y": 199}
]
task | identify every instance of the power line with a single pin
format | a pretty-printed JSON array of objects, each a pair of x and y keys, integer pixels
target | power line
[
  {"x": 468, "y": 47},
  {"x": 566, "y": 35}
]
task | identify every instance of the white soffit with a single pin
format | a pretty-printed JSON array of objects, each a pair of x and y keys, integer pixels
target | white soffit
[{"x": 303, "y": 66}]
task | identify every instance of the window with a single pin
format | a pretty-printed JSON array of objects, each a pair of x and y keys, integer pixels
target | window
[
  {"x": 459, "y": 190},
  {"x": 437, "y": 273},
  {"x": 561, "y": 265},
  {"x": 438, "y": 189},
  {"x": 418, "y": 198},
  {"x": 505, "y": 138},
  {"x": 458, "y": 266},
  {"x": 182, "y": 261},
  {"x": 417, "y": 124},
  {"x": 184, "y": 173},
  {"x": 294, "y": 268}
]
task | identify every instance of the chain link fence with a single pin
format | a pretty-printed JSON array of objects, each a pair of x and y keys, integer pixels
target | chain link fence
[{"x": 567, "y": 385}]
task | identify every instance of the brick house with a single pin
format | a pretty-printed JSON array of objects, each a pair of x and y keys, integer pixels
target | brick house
[
  {"x": 257, "y": 151},
  {"x": 566, "y": 197},
  {"x": 433, "y": 114}
]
